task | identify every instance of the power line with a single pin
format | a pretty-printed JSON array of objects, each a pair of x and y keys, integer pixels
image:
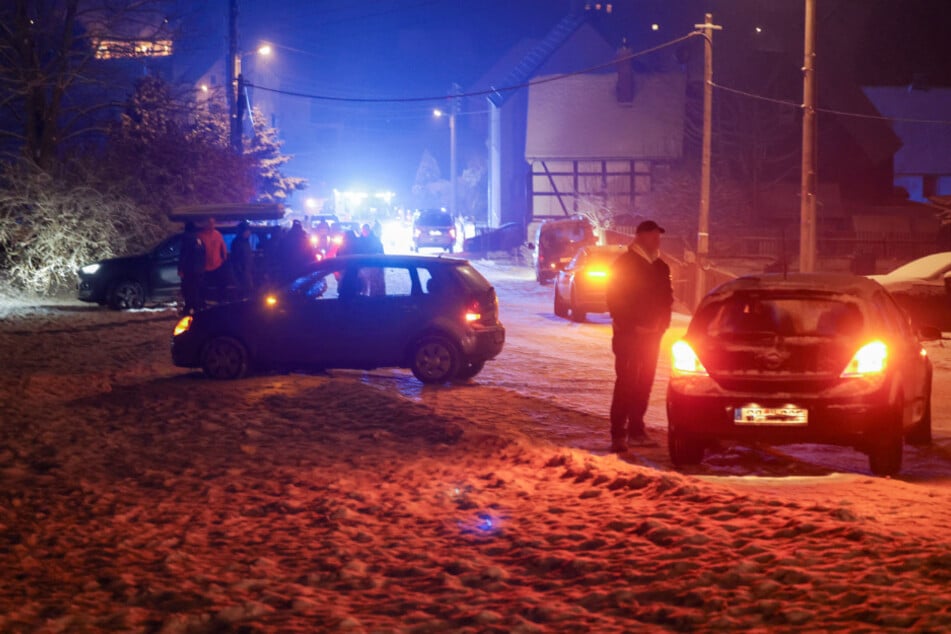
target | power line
[
  {"x": 841, "y": 113},
  {"x": 477, "y": 93}
]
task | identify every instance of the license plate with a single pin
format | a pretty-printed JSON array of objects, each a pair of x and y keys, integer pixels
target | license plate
[
  {"x": 435, "y": 233},
  {"x": 770, "y": 416},
  {"x": 565, "y": 260}
]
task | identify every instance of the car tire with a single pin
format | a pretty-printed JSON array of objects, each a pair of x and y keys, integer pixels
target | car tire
[
  {"x": 560, "y": 307},
  {"x": 886, "y": 448},
  {"x": 126, "y": 295},
  {"x": 224, "y": 358},
  {"x": 435, "y": 360},
  {"x": 577, "y": 314},
  {"x": 684, "y": 448},
  {"x": 920, "y": 434},
  {"x": 469, "y": 370}
]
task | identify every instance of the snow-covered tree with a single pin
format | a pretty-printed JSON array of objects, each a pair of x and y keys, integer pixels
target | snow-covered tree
[{"x": 264, "y": 149}]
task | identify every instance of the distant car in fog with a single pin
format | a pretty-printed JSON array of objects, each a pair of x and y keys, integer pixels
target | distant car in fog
[
  {"x": 581, "y": 288},
  {"x": 801, "y": 358},
  {"x": 434, "y": 228},
  {"x": 921, "y": 288},
  {"x": 556, "y": 242},
  {"x": 437, "y": 316}
]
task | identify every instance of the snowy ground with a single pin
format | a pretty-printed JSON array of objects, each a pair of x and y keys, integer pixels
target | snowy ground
[{"x": 139, "y": 497}]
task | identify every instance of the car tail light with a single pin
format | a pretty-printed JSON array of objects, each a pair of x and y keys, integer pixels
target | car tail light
[
  {"x": 270, "y": 300},
  {"x": 872, "y": 358},
  {"x": 598, "y": 274},
  {"x": 338, "y": 240},
  {"x": 183, "y": 325},
  {"x": 472, "y": 317},
  {"x": 685, "y": 361}
]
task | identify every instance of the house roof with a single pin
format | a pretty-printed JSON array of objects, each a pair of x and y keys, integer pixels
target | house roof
[
  {"x": 926, "y": 148},
  {"x": 579, "y": 117}
]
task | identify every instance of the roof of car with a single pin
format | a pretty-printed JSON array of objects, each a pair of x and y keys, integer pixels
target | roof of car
[
  {"x": 817, "y": 282},
  {"x": 399, "y": 259}
]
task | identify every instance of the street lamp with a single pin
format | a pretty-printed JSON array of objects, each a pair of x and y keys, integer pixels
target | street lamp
[{"x": 241, "y": 101}]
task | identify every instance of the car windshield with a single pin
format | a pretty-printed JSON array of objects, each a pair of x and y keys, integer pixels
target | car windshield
[
  {"x": 434, "y": 219},
  {"x": 745, "y": 316},
  {"x": 567, "y": 233},
  {"x": 924, "y": 268}
]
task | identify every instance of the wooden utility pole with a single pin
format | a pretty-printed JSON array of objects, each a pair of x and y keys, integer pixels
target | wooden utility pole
[
  {"x": 703, "y": 226},
  {"x": 453, "y": 111},
  {"x": 807, "y": 203},
  {"x": 232, "y": 93}
]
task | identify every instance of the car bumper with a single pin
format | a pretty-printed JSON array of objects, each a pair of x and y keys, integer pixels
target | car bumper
[
  {"x": 841, "y": 417},
  {"x": 186, "y": 351},
  {"x": 88, "y": 290},
  {"x": 483, "y": 344},
  {"x": 444, "y": 242}
]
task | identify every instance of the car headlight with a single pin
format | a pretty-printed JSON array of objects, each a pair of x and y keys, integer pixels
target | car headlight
[
  {"x": 90, "y": 269},
  {"x": 183, "y": 325}
]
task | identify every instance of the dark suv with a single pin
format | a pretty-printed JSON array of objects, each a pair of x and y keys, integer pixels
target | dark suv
[
  {"x": 434, "y": 228},
  {"x": 131, "y": 281},
  {"x": 800, "y": 359},
  {"x": 436, "y": 316}
]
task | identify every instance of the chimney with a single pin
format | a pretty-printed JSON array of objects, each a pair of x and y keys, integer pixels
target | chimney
[{"x": 625, "y": 74}]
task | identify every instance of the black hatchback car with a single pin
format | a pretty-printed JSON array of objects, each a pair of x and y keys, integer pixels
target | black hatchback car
[
  {"x": 437, "y": 316},
  {"x": 801, "y": 358}
]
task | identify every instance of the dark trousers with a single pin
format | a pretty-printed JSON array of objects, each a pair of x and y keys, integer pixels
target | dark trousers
[
  {"x": 191, "y": 293},
  {"x": 635, "y": 362}
]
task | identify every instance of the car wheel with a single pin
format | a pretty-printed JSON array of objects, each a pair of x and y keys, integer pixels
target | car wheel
[
  {"x": 885, "y": 450},
  {"x": 560, "y": 308},
  {"x": 224, "y": 358},
  {"x": 684, "y": 448},
  {"x": 577, "y": 314},
  {"x": 920, "y": 434},
  {"x": 126, "y": 294},
  {"x": 435, "y": 360},
  {"x": 469, "y": 370}
]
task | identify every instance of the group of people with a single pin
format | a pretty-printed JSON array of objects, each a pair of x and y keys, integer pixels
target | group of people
[{"x": 208, "y": 271}]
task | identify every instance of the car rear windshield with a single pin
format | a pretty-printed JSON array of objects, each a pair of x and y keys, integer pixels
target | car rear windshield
[
  {"x": 434, "y": 219},
  {"x": 472, "y": 279},
  {"x": 567, "y": 232},
  {"x": 786, "y": 316}
]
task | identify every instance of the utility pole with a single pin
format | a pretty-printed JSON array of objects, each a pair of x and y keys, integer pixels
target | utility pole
[
  {"x": 232, "y": 92},
  {"x": 807, "y": 202},
  {"x": 703, "y": 226},
  {"x": 453, "y": 110}
]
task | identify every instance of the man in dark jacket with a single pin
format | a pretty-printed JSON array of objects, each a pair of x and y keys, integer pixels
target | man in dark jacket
[
  {"x": 191, "y": 269},
  {"x": 640, "y": 298},
  {"x": 242, "y": 260}
]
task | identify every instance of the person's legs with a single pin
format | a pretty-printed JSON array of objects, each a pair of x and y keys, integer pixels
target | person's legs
[
  {"x": 644, "y": 368},
  {"x": 621, "y": 401}
]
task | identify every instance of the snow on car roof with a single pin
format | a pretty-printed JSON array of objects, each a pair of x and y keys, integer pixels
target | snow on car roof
[
  {"x": 228, "y": 212},
  {"x": 922, "y": 268}
]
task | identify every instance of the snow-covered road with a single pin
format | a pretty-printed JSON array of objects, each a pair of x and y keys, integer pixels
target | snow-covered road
[{"x": 139, "y": 497}]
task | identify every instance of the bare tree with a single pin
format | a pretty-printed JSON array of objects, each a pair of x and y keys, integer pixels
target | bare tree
[{"x": 55, "y": 78}]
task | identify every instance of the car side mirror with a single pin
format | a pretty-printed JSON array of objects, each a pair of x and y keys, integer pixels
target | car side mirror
[{"x": 929, "y": 333}]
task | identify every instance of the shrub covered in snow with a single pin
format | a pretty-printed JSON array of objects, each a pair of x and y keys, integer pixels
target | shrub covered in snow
[{"x": 51, "y": 226}]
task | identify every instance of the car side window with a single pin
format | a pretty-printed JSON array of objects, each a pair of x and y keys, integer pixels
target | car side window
[
  {"x": 380, "y": 281},
  {"x": 171, "y": 248},
  {"x": 318, "y": 286},
  {"x": 426, "y": 281}
]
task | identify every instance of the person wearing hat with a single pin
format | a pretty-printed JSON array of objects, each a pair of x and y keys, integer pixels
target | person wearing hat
[
  {"x": 640, "y": 298},
  {"x": 242, "y": 260}
]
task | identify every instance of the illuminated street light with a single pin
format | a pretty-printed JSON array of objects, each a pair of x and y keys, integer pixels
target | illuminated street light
[
  {"x": 265, "y": 50},
  {"x": 311, "y": 203},
  {"x": 759, "y": 29},
  {"x": 437, "y": 112},
  {"x": 655, "y": 27},
  {"x": 204, "y": 87}
]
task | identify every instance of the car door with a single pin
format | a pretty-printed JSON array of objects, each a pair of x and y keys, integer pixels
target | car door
[
  {"x": 382, "y": 315},
  {"x": 163, "y": 270},
  {"x": 305, "y": 324}
]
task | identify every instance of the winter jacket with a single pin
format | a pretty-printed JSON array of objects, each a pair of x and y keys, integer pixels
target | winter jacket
[
  {"x": 191, "y": 259},
  {"x": 216, "y": 252},
  {"x": 241, "y": 259},
  {"x": 640, "y": 295}
]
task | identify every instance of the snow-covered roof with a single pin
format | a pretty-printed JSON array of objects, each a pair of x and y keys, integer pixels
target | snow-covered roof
[{"x": 580, "y": 117}]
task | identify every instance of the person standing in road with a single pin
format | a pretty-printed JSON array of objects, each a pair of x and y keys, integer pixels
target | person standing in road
[
  {"x": 191, "y": 269},
  {"x": 242, "y": 261},
  {"x": 640, "y": 298},
  {"x": 216, "y": 252}
]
